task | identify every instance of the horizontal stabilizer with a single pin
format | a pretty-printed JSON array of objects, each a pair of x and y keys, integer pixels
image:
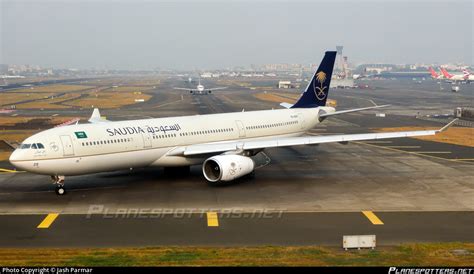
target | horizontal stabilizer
[
  {"x": 349, "y": 110},
  {"x": 286, "y": 105}
]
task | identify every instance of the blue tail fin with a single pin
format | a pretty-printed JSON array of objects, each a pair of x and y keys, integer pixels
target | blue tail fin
[{"x": 316, "y": 92}]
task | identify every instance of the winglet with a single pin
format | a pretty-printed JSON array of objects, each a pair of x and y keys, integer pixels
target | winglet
[
  {"x": 447, "y": 126},
  {"x": 96, "y": 118}
]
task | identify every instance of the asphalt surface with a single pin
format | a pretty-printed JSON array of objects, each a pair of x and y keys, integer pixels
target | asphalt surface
[
  {"x": 120, "y": 230},
  {"x": 421, "y": 191}
]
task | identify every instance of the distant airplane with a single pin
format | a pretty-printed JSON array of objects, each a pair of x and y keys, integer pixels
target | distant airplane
[
  {"x": 456, "y": 77},
  {"x": 11, "y": 76},
  {"x": 434, "y": 74},
  {"x": 200, "y": 89},
  {"x": 222, "y": 143},
  {"x": 469, "y": 76}
]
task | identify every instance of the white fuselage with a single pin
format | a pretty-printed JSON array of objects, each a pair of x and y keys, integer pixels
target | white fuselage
[
  {"x": 90, "y": 148},
  {"x": 200, "y": 88},
  {"x": 458, "y": 77}
]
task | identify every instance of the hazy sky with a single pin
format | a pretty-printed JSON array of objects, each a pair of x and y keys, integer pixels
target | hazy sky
[{"x": 215, "y": 34}]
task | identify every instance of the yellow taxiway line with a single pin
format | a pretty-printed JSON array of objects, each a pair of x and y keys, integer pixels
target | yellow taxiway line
[
  {"x": 404, "y": 146},
  {"x": 212, "y": 219},
  {"x": 372, "y": 218},
  {"x": 8, "y": 170},
  {"x": 434, "y": 152},
  {"x": 419, "y": 153},
  {"x": 48, "y": 220},
  {"x": 376, "y": 142}
]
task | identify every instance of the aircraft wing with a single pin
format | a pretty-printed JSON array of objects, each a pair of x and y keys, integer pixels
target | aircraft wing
[
  {"x": 243, "y": 145},
  {"x": 212, "y": 89},
  {"x": 193, "y": 89}
]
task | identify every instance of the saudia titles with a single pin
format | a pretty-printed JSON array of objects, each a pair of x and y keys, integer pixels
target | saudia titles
[{"x": 139, "y": 130}]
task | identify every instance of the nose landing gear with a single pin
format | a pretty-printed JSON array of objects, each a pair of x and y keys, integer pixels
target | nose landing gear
[{"x": 58, "y": 180}]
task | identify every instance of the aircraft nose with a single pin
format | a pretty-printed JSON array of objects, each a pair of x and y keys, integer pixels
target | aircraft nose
[{"x": 13, "y": 157}]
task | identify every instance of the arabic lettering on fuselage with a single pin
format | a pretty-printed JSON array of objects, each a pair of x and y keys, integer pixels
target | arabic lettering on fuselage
[{"x": 139, "y": 130}]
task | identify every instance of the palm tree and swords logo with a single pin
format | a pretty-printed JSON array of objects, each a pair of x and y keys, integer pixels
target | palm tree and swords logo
[{"x": 319, "y": 91}]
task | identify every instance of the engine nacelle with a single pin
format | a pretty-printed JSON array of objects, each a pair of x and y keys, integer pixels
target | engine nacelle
[{"x": 227, "y": 167}]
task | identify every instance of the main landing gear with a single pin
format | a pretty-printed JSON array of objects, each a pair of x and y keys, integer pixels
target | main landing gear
[{"x": 58, "y": 180}]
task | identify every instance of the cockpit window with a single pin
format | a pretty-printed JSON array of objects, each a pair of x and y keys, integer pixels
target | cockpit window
[
  {"x": 32, "y": 146},
  {"x": 25, "y": 146}
]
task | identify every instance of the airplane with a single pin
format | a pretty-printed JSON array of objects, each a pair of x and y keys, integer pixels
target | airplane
[
  {"x": 12, "y": 76},
  {"x": 455, "y": 77},
  {"x": 434, "y": 74},
  {"x": 222, "y": 143},
  {"x": 200, "y": 89},
  {"x": 468, "y": 75}
]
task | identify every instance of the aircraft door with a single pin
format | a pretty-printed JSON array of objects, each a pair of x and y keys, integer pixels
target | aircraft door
[
  {"x": 146, "y": 140},
  {"x": 68, "y": 149},
  {"x": 241, "y": 128}
]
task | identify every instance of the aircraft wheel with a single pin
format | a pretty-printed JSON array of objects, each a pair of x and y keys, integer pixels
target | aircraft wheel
[{"x": 60, "y": 190}]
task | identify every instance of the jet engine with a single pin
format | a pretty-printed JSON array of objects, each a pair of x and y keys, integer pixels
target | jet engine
[{"x": 227, "y": 167}]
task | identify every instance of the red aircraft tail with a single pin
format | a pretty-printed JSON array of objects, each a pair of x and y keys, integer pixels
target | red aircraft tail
[
  {"x": 433, "y": 72},
  {"x": 445, "y": 73}
]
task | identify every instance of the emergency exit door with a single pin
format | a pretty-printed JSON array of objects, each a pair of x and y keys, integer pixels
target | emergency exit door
[
  {"x": 241, "y": 128},
  {"x": 146, "y": 140}
]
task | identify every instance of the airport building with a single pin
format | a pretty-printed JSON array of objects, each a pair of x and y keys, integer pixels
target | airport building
[{"x": 284, "y": 84}]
